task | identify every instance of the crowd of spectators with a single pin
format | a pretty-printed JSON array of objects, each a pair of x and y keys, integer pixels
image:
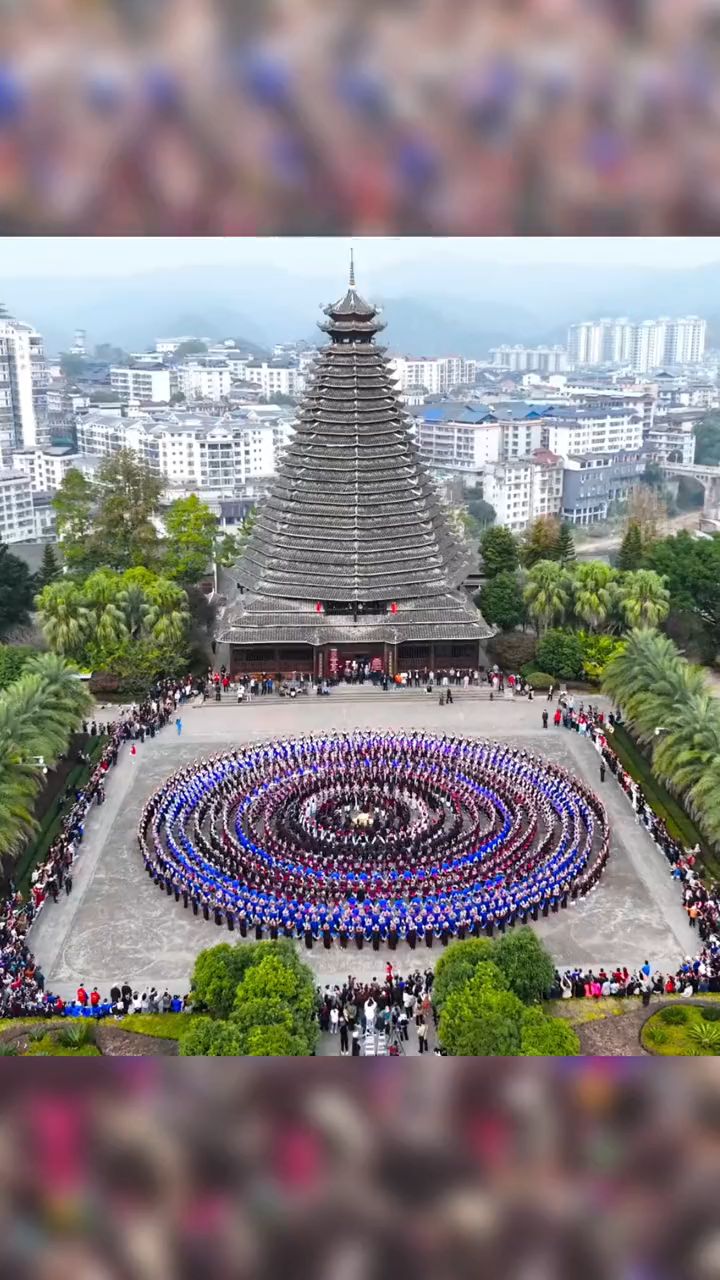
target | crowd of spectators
[
  {"x": 379, "y": 1010},
  {"x": 203, "y": 117},
  {"x": 22, "y": 983}
]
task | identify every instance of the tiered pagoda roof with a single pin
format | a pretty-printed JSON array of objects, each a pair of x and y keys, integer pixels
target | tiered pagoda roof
[{"x": 352, "y": 518}]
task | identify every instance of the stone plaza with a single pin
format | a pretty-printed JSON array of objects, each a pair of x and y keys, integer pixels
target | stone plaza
[{"x": 116, "y": 925}]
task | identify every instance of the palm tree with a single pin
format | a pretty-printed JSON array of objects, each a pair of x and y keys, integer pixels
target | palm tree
[
  {"x": 111, "y": 627},
  {"x": 64, "y": 690},
  {"x": 646, "y": 657},
  {"x": 136, "y": 609},
  {"x": 547, "y": 593},
  {"x": 38, "y": 714},
  {"x": 703, "y": 801},
  {"x": 594, "y": 593},
  {"x": 691, "y": 744},
  {"x": 65, "y": 618},
  {"x": 644, "y": 599},
  {"x": 170, "y": 628}
]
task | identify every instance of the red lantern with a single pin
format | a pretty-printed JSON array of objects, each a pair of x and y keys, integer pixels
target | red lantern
[
  {"x": 318, "y": 607},
  {"x": 393, "y": 607}
]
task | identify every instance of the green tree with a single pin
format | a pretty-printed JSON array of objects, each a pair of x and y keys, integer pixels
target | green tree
[
  {"x": 707, "y": 440},
  {"x": 38, "y": 714},
  {"x": 65, "y": 617},
  {"x": 632, "y": 552},
  {"x": 542, "y": 541},
  {"x": 597, "y": 652},
  {"x": 273, "y": 1042},
  {"x": 278, "y": 991},
  {"x": 649, "y": 680},
  {"x": 501, "y": 601},
  {"x": 190, "y": 529},
  {"x": 246, "y": 528},
  {"x": 457, "y": 965},
  {"x": 499, "y": 551},
  {"x": 74, "y": 504},
  {"x": 13, "y": 658},
  {"x": 226, "y": 549},
  {"x": 691, "y": 570},
  {"x": 594, "y": 593},
  {"x": 49, "y": 569},
  {"x": 481, "y": 511},
  {"x": 644, "y": 599},
  {"x": 124, "y": 533},
  {"x": 547, "y": 594},
  {"x": 525, "y": 964},
  {"x": 670, "y": 706},
  {"x": 543, "y": 1037},
  {"x": 512, "y": 650},
  {"x": 208, "y": 1038},
  {"x": 16, "y": 591},
  {"x": 565, "y": 545},
  {"x": 216, "y": 975},
  {"x": 265, "y": 991},
  {"x": 560, "y": 653},
  {"x": 481, "y": 1019}
]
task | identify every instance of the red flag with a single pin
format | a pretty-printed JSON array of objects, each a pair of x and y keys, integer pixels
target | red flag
[{"x": 318, "y": 607}]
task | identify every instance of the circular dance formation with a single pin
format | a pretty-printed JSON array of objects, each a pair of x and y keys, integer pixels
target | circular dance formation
[{"x": 370, "y": 837}]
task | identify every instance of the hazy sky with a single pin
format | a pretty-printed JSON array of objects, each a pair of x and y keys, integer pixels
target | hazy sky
[{"x": 123, "y": 256}]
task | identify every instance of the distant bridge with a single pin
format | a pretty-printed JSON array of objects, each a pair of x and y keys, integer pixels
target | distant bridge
[{"x": 708, "y": 477}]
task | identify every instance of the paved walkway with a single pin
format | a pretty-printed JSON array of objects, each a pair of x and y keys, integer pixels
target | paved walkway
[{"x": 117, "y": 925}]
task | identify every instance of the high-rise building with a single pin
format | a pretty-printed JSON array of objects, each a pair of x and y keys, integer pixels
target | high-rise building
[
  {"x": 23, "y": 378},
  {"x": 351, "y": 555},
  {"x": 644, "y": 345},
  {"x": 521, "y": 359}
]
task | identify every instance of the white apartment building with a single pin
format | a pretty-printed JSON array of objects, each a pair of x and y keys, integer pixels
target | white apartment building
[
  {"x": 205, "y": 379},
  {"x": 523, "y": 489},
  {"x": 520, "y": 359},
  {"x": 22, "y": 372},
  {"x": 144, "y": 382},
  {"x": 458, "y": 446},
  {"x": 572, "y": 432},
  {"x": 196, "y": 451},
  {"x": 275, "y": 379},
  {"x": 646, "y": 345},
  {"x": 672, "y": 439},
  {"x": 520, "y": 437},
  {"x": 218, "y": 455},
  {"x": 48, "y": 467},
  {"x": 436, "y": 376},
  {"x": 104, "y": 432},
  {"x": 17, "y": 520}
]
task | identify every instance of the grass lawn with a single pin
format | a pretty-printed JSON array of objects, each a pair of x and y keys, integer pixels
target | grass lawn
[
  {"x": 584, "y": 1010},
  {"x": 165, "y": 1026},
  {"x": 50, "y": 1047},
  {"x": 665, "y": 1034},
  {"x": 680, "y": 826}
]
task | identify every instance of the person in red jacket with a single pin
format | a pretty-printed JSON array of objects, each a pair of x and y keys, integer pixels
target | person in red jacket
[
  {"x": 94, "y": 997},
  {"x": 82, "y": 995}
]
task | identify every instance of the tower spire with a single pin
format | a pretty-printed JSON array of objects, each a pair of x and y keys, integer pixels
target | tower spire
[{"x": 352, "y": 270}]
